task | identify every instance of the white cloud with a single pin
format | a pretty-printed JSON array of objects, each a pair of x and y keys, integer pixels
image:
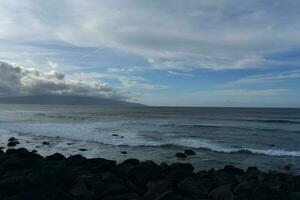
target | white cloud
[
  {"x": 127, "y": 81},
  {"x": 18, "y": 81},
  {"x": 265, "y": 78},
  {"x": 174, "y": 34},
  {"x": 247, "y": 92}
]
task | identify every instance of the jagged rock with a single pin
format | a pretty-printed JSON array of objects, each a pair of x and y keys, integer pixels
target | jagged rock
[
  {"x": 221, "y": 193},
  {"x": 13, "y": 143},
  {"x": 180, "y": 155},
  {"x": 46, "y": 143},
  {"x": 55, "y": 157},
  {"x": 82, "y": 149},
  {"x": 189, "y": 152},
  {"x": 12, "y": 139},
  {"x": 190, "y": 187}
]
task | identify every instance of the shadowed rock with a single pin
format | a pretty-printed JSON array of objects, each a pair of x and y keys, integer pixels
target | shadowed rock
[{"x": 27, "y": 175}]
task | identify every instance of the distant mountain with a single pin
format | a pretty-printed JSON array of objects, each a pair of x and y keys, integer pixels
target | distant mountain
[{"x": 64, "y": 100}]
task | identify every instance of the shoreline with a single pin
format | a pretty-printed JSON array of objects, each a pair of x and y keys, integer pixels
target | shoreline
[{"x": 28, "y": 175}]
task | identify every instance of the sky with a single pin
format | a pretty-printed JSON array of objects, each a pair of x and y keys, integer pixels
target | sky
[{"x": 158, "y": 52}]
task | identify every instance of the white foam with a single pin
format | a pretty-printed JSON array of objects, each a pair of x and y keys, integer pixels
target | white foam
[{"x": 88, "y": 132}]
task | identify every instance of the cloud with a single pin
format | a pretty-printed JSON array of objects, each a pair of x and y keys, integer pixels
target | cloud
[
  {"x": 127, "y": 82},
  {"x": 179, "y": 73},
  {"x": 265, "y": 78},
  {"x": 173, "y": 34},
  {"x": 248, "y": 92},
  {"x": 18, "y": 81}
]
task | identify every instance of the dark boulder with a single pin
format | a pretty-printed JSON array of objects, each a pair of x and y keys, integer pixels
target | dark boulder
[
  {"x": 12, "y": 139},
  {"x": 180, "y": 155},
  {"x": 82, "y": 149},
  {"x": 232, "y": 170},
  {"x": 288, "y": 167},
  {"x": 221, "y": 193},
  {"x": 13, "y": 143},
  {"x": 55, "y": 157},
  {"x": 46, "y": 143},
  {"x": 189, "y": 152},
  {"x": 190, "y": 187}
]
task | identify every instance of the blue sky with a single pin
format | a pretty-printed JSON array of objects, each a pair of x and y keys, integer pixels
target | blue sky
[{"x": 178, "y": 53}]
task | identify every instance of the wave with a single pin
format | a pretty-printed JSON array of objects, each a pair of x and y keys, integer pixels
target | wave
[
  {"x": 88, "y": 132},
  {"x": 279, "y": 121}
]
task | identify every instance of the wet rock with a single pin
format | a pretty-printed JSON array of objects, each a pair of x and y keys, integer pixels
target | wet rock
[
  {"x": 180, "y": 155},
  {"x": 12, "y": 139},
  {"x": 288, "y": 167},
  {"x": 189, "y": 152},
  {"x": 46, "y": 143},
  {"x": 13, "y": 143}
]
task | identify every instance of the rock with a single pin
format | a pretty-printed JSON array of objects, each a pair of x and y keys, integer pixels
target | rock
[
  {"x": 294, "y": 196},
  {"x": 55, "y": 157},
  {"x": 288, "y": 167},
  {"x": 181, "y": 167},
  {"x": 221, "y": 193},
  {"x": 13, "y": 143},
  {"x": 79, "y": 189},
  {"x": 82, "y": 149},
  {"x": 180, "y": 155},
  {"x": 116, "y": 135},
  {"x": 245, "y": 189},
  {"x": 232, "y": 170},
  {"x": 61, "y": 196},
  {"x": 46, "y": 143},
  {"x": 124, "y": 196},
  {"x": 190, "y": 187},
  {"x": 189, "y": 152},
  {"x": 12, "y": 139},
  {"x": 123, "y": 152},
  {"x": 144, "y": 172},
  {"x": 158, "y": 189},
  {"x": 34, "y": 151}
]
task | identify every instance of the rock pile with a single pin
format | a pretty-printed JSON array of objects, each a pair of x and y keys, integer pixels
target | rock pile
[{"x": 27, "y": 175}]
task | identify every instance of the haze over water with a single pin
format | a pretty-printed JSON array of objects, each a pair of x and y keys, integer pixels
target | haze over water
[{"x": 265, "y": 137}]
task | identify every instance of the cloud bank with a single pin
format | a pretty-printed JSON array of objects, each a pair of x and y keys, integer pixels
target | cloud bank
[
  {"x": 18, "y": 81},
  {"x": 173, "y": 34}
]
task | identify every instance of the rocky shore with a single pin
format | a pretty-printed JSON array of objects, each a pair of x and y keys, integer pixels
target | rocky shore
[{"x": 28, "y": 176}]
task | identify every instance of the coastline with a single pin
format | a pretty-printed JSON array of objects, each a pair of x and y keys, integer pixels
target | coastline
[{"x": 28, "y": 175}]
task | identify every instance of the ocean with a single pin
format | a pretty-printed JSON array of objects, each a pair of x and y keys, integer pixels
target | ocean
[{"x": 268, "y": 138}]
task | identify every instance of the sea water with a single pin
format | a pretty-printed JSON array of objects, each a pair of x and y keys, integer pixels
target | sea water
[{"x": 265, "y": 137}]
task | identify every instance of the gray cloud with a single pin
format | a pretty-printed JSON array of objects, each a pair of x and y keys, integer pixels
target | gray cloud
[
  {"x": 17, "y": 81},
  {"x": 174, "y": 34}
]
